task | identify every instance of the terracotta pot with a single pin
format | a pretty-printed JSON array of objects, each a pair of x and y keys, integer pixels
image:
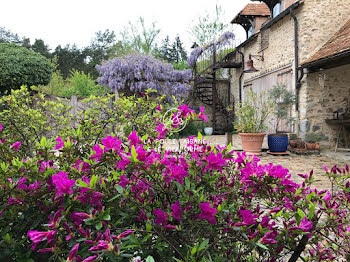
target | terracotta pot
[
  {"x": 301, "y": 144},
  {"x": 310, "y": 146},
  {"x": 252, "y": 142},
  {"x": 293, "y": 143},
  {"x": 317, "y": 146}
]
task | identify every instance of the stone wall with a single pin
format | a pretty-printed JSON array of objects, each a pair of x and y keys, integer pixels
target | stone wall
[
  {"x": 321, "y": 94},
  {"x": 319, "y": 20}
]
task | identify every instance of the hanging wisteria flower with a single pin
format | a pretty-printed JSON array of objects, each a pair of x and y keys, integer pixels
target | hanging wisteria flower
[
  {"x": 136, "y": 73},
  {"x": 191, "y": 61}
]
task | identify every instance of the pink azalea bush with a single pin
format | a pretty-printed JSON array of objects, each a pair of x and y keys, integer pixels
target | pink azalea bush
[{"x": 125, "y": 199}]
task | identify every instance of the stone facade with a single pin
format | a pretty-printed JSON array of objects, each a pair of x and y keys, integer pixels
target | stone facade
[
  {"x": 318, "y": 21},
  {"x": 323, "y": 93}
]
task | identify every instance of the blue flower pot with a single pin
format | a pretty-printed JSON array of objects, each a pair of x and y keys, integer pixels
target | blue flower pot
[{"x": 277, "y": 143}]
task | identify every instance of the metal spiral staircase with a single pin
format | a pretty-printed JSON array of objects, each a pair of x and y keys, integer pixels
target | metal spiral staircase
[{"x": 206, "y": 84}]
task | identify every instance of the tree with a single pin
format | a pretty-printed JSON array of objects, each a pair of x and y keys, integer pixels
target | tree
[
  {"x": 172, "y": 52},
  {"x": 7, "y": 36},
  {"x": 20, "y": 66},
  {"x": 40, "y": 47},
  {"x": 138, "y": 37},
  {"x": 164, "y": 52},
  {"x": 68, "y": 58},
  {"x": 208, "y": 27},
  {"x": 137, "y": 73},
  {"x": 99, "y": 50},
  {"x": 26, "y": 43}
]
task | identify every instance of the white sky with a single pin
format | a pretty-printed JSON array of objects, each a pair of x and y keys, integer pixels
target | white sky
[{"x": 76, "y": 21}]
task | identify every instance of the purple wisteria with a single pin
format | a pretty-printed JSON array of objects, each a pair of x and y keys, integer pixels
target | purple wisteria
[{"x": 136, "y": 73}]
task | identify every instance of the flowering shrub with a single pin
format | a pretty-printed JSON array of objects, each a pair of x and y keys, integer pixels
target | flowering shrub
[
  {"x": 136, "y": 73},
  {"x": 127, "y": 199},
  {"x": 29, "y": 118}
]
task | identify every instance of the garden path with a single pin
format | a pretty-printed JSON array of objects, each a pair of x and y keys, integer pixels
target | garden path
[{"x": 296, "y": 164}]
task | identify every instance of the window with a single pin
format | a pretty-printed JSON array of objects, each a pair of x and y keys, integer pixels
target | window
[
  {"x": 250, "y": 31},
  {"x": 276, "y": 10}
]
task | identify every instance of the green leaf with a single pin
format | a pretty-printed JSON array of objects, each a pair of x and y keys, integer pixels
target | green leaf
[
  {"x": 107, "y": 217},
  {"x": 134, "y": 154},
  {"x": 203, "y": 245},
  {"x": 150, "y": 259},
  {"x": 262, "y": 246},
  {"x": 98, "y": 225},
  {"x": 301, "y": 213},
  {"x": 193, "y": 251},
  {"x": 93, "y": 181},
  {"x": 82, "y": 183},
  {"x": 311, "y": 211},
  {"x": 200, "y": 137},
  {"x": 148, "y": 227},
  {"x": 120, "y": 189}
]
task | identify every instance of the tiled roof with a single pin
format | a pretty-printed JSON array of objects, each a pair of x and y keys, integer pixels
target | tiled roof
[
  {"x": 338, "y": 43},
  {"x": 253, "y": 10}
]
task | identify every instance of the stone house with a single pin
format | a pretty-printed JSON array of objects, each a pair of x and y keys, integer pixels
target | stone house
[{"x": 304, "y": 44}]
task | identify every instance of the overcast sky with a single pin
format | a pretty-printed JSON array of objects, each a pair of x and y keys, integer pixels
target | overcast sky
[{"x": 76, "y": 21}]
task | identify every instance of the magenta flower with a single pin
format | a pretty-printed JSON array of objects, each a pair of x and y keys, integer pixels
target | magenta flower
[
  {"x": 63, "y": 184},
  {"x": 124, "y": 181},
  {"x": 177, "y": 211},
  {"x": 99, "y": 152},
  {"x": 162, "y": 218},
  {"x": 269, "y": 238},
  {"x": 79, "y": 217},
  {"x": 111, "y": 143},
  {"x": 73, "y": 252},
  {"x": 16, "y": 145},
  {"x": 90, "y": 258},
  {"x": 0, "y": 127},
  {"x": 60, "y": 143},
  {"x": 208, "y": 213},
  {"x": 327, "y": 197},
  {"x": 121, "y": 164},
  {"x": 81, "y": 166},
  {"x": 247, "y": 217},
  {"x": 124, "y": 234},
  {"x": 134, "y": 139},
  {"x": 36, "y": 237},
  {"x": 102, "y": 245},
  {"x": 46, "y": 250},
  {"x": 161, "y": 131},
  {"x": 201, "y": 115},
  {"x": 158, "y": 108},
  {"x": 215, "y": 162},
  {"x": 305, "y": 225},
  {"x": 178, "y": 173}
]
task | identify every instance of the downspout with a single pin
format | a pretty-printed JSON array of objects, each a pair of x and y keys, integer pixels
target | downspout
[
  {"x": 296, "y": 59},
  {"x": 241, "y": 77}
]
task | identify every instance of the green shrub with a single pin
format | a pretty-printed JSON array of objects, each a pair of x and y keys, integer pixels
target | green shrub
[
  {"x": 20, "y": 66},
  {"x": 82, "y": 85}
]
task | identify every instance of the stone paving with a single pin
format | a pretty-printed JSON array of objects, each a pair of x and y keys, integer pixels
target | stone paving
[{"x": 296, "y": 164}]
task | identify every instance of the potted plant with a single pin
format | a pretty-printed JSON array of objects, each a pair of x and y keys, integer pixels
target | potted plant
[
  {"x": 251, "y": 117},
  {"x": 282, "y": 99}
]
